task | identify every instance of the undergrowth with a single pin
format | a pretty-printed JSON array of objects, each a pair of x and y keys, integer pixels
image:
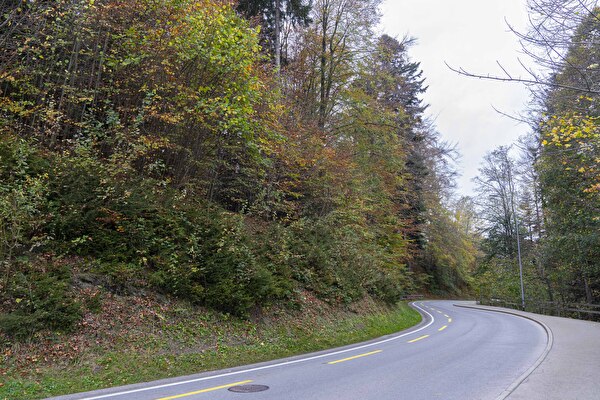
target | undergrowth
[{"x": 151, "y": 341}]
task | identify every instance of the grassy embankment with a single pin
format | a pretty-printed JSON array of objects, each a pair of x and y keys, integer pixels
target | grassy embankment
[{"x": 135, "y": 339}]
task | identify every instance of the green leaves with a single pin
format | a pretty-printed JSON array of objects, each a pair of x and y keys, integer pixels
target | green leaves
[
  {"x": 42, "y": 301},
  {"x": 152, "y": 139}
]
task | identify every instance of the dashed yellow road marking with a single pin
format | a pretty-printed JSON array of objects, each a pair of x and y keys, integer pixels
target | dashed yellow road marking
[
  {"x": 419, "y": 338},
  {"x": 449, "y": 319},
  {"x": 355, "y": 357},
  {"x": 442, "y": 328},
  {"x": 212, "y": 389}
]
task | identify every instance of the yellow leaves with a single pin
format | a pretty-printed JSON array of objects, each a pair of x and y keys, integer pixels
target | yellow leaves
[
  {"x": 171, "y": 118},
  {"x": 561, "y": 130},
  {"x": 5, "y": 76},
  {"x": 154, "y": 143},
  {"x": 575, "y": 138},
  {"x": 594, "y": 189}
]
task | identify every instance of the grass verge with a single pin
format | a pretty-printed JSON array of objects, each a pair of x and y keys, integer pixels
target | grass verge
[{"x": 188, "y": 342}]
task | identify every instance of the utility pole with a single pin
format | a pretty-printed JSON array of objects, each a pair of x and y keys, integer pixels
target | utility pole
[{"x": 512, "y": 201}]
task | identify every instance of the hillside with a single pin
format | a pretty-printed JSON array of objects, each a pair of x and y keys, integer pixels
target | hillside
[{"x": 152, "y": 147}]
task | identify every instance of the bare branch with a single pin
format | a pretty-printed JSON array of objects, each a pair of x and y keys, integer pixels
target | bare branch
[
  {"x": 512, "y": 117},
  {"x": 536, "y": 81},
  {"x": 504, "y": 69}
]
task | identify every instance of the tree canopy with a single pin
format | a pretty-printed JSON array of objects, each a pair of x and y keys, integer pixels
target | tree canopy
[{"x": 153, "y": 146}]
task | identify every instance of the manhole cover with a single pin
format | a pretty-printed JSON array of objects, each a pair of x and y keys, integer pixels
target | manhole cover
[{"x": 248, "y": 388}]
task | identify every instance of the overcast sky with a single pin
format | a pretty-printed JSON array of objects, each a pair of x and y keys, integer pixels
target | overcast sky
[{"x": 471, "y": 34}]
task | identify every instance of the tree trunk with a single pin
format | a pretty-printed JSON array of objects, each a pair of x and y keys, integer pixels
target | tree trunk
[
  {"x": 323, "y": 103},
  {"x": 588, "y": 291},
  {"x": 277, "y": 35}
]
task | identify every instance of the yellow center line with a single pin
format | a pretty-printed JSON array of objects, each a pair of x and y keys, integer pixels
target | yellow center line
[
  {"x": 442, "y": 328},
  {"x": 449, "y": 319},
  {"x": 204, "y": 390},
  {"x": 355, "y": 357},
  {"x": 419, "y": 338}
]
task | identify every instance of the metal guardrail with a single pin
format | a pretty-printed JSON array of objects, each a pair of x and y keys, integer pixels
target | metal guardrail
[
  {"x": 412, "y": 297},
  {"x": 584, "y": 311}
]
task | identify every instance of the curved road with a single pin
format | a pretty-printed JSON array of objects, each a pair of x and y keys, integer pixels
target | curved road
[{"x": 455, "y": 353}]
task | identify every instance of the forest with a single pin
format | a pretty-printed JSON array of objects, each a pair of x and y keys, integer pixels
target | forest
[
  {"x": 540, "y": 200},
  {"x": 240, "y": 154},
  {"x": 230, "y": 154}
]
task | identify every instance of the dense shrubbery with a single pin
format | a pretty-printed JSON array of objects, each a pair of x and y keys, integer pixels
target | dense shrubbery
[
  {"x": 153, "y": 141},
  {"x": 140, "y": 233},
  {"x": 40, "y": 299}
]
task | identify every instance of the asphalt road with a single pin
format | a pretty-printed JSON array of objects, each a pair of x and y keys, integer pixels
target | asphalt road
[{"x": 455, "y": 353}]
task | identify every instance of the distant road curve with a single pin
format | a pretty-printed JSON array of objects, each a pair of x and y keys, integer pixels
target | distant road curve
[{"x": 455, "y": 353}]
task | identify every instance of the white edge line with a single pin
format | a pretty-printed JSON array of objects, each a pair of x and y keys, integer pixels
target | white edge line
[
  {"x": 550, "y": 342},
  {"x": 268, "y": 366}
]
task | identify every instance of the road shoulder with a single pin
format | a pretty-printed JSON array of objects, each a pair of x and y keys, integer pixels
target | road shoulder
[
  {"x": 568, "y": 369},
  {"x": 426, "y": 320}
]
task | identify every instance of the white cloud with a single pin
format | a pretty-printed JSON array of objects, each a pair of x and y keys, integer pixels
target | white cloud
[{"x": 471, "y": 34}]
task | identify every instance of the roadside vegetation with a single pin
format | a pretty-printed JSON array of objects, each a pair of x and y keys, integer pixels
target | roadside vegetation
[
  {"x": 182, "y": 179},
  {"x": 547, "y": 194},
  {"x": 152, "y": 146},
  {"x": 216, "y": 158},
  {"x": 135, "y": 339}
]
